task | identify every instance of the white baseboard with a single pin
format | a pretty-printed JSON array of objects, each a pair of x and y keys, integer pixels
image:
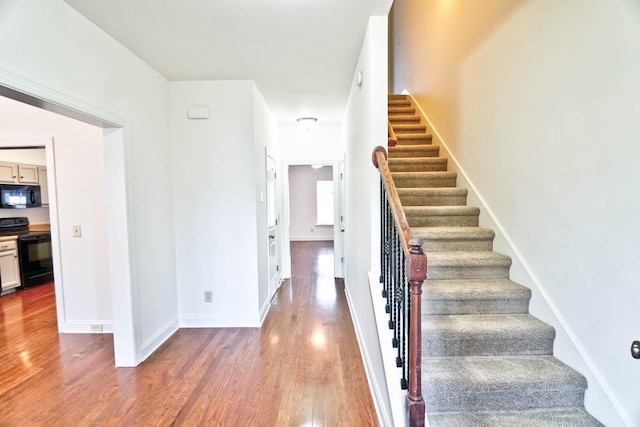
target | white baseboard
[
  {"x": 85, "y": 327},
  {"x": 384, "y": 417},
  {"x": 311, "y": 238},
  {"x": 220, "y": 321},
  {"x": 152, "y": 344}
]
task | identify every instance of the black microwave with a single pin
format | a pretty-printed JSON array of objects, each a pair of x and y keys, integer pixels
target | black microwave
[{"x": 19, "y": 196}]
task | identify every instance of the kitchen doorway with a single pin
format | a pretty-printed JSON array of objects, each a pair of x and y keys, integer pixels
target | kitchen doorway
[{"x": 124, "y": 327}]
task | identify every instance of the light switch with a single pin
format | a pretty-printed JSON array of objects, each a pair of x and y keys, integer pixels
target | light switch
[{"x": 77, "y": 231}]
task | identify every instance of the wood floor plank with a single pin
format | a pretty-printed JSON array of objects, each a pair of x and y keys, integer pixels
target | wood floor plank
[{"x": 302, "y": 368}]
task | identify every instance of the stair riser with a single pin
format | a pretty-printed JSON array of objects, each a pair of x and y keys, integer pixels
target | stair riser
[
  {"x": 419, "y": 200},
  {"x": 473, "y": 272},
  {"x": 426, "y": 166},
  {"x": 398, "y": 103},
  {"x": 414, "y": 138},
  {"x": 430, "y": 245},
  {"x": 408, "y": 128},
  {"x": 419, "y": 220},
  {"x": 403, "y": 118},
  {"x": 457, "y": 307},
  {"x": 392, "y": 111},
  {"x": 427, "y": 182},
  {"x": 554, "y": 417},
  {"x": 440, "y": 345},
  {"x": 400, "y": 151},
  {"x": 515, "y": 397}
]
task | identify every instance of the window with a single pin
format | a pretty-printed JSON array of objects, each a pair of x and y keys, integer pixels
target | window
[{"x": 324, "y": 201}]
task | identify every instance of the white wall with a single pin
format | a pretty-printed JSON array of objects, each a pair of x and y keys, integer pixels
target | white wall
[
  {"x": 538, "y": 102},
  {"x": 80, "y": 200},
  {"x": 323, "y": 143},
  {"x": 219, "y": 172},
  {"x": 48, "y": 48},
  {"x": 303, "y": 203},
  {"x": 365, "y": 126}
]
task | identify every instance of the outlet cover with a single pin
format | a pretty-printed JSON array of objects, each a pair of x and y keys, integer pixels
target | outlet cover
[
  {"x": 77, "y": 231},
  {"x": 208, "y": 296},
  {"x": 96, "y": 327}
]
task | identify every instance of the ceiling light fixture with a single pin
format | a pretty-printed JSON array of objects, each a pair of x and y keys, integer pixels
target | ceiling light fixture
[
  {"x": 316, "y": 167},
  {"x": 307, "y": 122}
]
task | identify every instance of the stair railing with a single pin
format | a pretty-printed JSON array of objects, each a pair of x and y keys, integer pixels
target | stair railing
[{"x": 403, "y": 270}]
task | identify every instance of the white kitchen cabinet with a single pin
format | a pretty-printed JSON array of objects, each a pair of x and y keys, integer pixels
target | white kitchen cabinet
[
  {"x": 27, "y": 174},
  {"x": 9, "y": 265},
  {"x": 8, "y": 172},
  {"x": 44, "y": 185}
]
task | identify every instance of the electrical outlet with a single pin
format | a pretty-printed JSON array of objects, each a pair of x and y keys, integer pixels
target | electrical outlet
[
  {"x": 208, "y": 296},
  {"x": 96, "y": 327},
  {"x": 77, "y": 231}
]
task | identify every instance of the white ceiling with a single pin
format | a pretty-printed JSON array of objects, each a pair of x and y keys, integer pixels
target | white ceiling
[{"x": 301, "y": 53}]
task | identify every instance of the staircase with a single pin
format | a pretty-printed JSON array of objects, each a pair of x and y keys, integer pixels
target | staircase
[{"x": 485, "y": 360}]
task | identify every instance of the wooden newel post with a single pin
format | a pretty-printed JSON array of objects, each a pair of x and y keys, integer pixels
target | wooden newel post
[{"x": 416, "y": 268}]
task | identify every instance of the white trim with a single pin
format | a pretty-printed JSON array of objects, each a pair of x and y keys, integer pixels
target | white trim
[
  {"x": 311, "y": 239},
  {"x": 384, "y": 417},
  {"x": 157, "y": 339},
  {"x": 594, "y": 372},
  {"x": 220, "y": 321},
  {"x": 84, "y": 327},
  {"x": 74, "y": 108},
  {"x": 267, "y": 305}
]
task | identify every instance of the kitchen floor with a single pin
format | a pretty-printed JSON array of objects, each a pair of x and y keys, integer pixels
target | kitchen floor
[{"x": 302, "y": 368}]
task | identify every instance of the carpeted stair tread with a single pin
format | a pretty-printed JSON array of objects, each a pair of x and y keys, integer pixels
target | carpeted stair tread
[
  {"x": 454, "y": 238},
  {"x": 424, "y": 179},
  {"x": 413, "y": 150},
  {"x": 438, "y": 196},
  {"x": 458, "y": 265},
  {"x": 551, "y": 417},
  {"x": 418, "y": 164},
  {"x": 403, "y": 118},
  {"x": 487, "y": 296},
  {"x": 500, "y": 383},
  {"x": 400, "y": 128},
  {"x": 442, "y": 216},
  {"x": 485, "y": 335}
]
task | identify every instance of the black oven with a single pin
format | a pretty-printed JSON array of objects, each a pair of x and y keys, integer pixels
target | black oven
[
  {"x": 34, "y": 250},
  {"x": 36, "y": 263}
]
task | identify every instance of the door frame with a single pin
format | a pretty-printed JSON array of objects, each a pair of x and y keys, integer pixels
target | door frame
[
  {"x": 277, "y": 234},
  {"x": 338, "y": 250},
  {"x": 125, "y": 301}
]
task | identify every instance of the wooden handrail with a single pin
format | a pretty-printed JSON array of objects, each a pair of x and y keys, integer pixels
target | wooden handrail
[
  {"x": 392, "y": 139},
  {"x": 416, "y": 274},
  {"x": 379, "y": 159}
]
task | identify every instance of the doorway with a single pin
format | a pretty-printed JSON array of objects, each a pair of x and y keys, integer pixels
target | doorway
[
  {"x": 301, "y": 217},
  {"x": 116, "y": 262}
]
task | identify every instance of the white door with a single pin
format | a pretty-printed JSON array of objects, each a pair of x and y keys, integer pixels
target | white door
[{"x": 272, "y": 217}]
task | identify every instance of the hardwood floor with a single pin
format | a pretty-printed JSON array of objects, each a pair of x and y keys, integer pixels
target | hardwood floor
[{"x": 302, "y": 368}]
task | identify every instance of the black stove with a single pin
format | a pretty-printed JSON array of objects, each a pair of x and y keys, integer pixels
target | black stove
[{"x": 34, "y": 247}]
